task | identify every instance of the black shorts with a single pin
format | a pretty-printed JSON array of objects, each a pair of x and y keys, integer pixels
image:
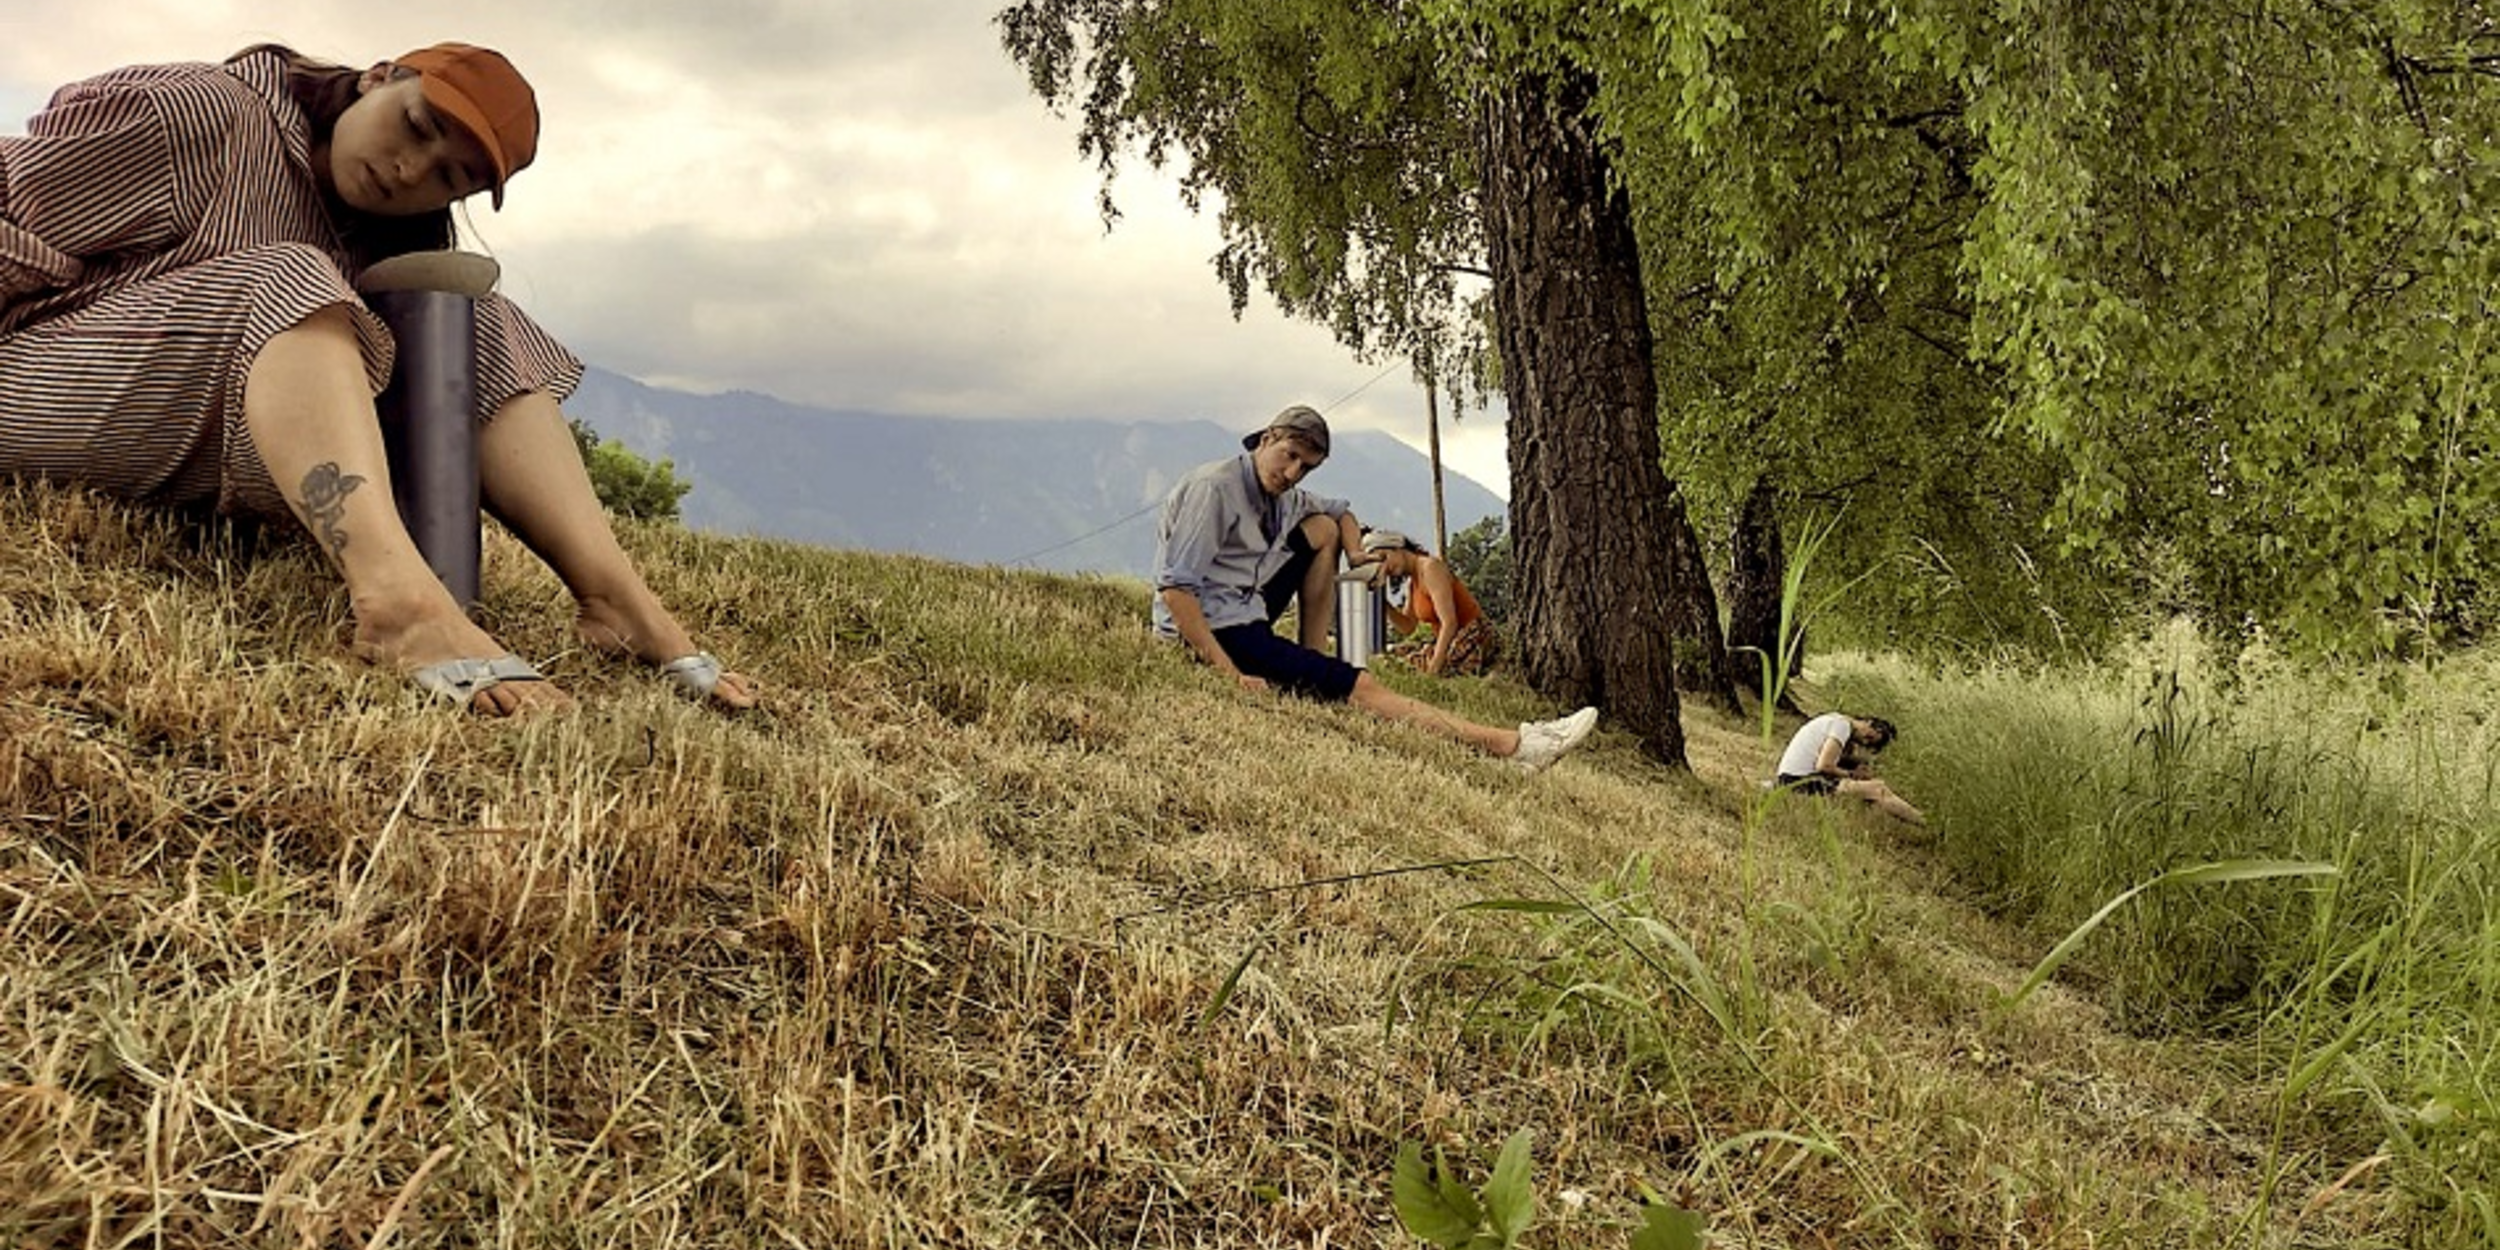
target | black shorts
[
  {"x": 1287, "y": 665},
  {"x": 1279, "y": 591},
  {"x": 1815, "y": 783}
]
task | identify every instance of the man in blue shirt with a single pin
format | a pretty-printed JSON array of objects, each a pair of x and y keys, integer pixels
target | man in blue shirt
[{"x": 1240, "y": 538}]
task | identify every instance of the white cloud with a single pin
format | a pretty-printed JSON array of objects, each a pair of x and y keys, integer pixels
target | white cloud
[{"x": 854, "y": 204}]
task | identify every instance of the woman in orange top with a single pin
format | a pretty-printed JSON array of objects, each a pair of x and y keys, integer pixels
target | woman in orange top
[{"x": 1423, "y": 591}]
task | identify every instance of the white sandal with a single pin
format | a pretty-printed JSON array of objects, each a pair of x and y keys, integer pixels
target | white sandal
[
  {"x": 695, "y": 676},
  {"x": 459, "y": 681}
]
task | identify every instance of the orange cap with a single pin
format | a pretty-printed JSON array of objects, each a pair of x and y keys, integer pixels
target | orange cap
[{"x": 479, "y": 89}]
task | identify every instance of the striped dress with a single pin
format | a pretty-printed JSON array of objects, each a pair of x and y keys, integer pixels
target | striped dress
[{"x": 158, "y": 225}]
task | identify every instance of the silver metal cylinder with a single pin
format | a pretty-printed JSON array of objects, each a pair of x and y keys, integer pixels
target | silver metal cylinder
[{"x": 1362, "y": 618}]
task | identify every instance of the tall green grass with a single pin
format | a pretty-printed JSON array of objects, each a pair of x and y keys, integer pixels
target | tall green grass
[{"x": 2372, "y": 991}]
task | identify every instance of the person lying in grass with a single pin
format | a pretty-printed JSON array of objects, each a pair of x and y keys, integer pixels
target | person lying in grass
[
  {"x": 1834, "y": 754},
  {"x": 179, "y": 325},
  {"x": 1423, "y": 594},
  {"x": 1239, "y": 539}
]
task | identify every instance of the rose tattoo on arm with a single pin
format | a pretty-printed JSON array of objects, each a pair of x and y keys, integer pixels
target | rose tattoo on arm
[{"x": 325, "y": 492}]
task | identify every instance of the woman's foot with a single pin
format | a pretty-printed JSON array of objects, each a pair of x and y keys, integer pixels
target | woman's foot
[
  {"x": 420, "y": 637},
  {"x": 645, "y": 631}
]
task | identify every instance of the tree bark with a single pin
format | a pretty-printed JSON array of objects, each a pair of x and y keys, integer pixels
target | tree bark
[
  {"x": 1702, "y": 664},
  {"x": 1757, "y": 570},
  {"x": 1596, "y": 593}
]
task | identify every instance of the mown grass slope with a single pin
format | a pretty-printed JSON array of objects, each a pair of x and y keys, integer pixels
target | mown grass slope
[{"x": 999, "y": 925}]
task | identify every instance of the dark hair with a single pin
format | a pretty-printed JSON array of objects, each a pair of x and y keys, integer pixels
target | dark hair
[
  {"x": 325, "y": 90},
  {"x": 1883, "y": 731}
]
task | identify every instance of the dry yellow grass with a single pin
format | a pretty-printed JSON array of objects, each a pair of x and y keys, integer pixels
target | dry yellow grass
[{"x": 924, "y": 953}]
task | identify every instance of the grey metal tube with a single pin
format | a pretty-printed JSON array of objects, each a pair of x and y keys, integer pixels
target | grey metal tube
[
  {"x": 1362, "y": 618},
  {"x": 429, "y": 430}
]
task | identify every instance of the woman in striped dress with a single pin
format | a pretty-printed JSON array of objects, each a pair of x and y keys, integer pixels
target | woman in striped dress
[{"x": 179, "y": 325}]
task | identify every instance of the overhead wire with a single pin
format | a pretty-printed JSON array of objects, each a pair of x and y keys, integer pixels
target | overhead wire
[{"x": 1088, "y": 536}]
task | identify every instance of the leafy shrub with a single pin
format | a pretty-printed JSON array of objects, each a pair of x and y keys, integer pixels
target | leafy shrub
[{"x": 629, "y": 485}]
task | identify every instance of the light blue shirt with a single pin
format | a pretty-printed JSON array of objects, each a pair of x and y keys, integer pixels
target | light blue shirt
[{"x": 1222, "y": 537}]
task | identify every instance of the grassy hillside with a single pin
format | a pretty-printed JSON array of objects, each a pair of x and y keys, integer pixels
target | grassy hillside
[{"x": 1000, "y": 925}]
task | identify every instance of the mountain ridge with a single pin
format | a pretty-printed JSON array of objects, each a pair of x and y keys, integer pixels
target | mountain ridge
[{"x": 1062, "y": 494}]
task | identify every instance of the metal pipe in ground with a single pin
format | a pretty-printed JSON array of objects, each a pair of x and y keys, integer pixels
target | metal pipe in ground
[
  {"x": 1362, "y": 616},
  {"x": 429, "y": 411}
]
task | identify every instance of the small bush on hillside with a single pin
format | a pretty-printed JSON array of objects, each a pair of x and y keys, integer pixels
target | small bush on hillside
[
  {"x": 629, "y": 485},
  {"x": 1480, "y": 555}
]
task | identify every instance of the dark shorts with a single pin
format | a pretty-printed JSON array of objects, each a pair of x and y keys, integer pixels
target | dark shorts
[
  {"x": 1279, "y": 591},
  {"x": 1817, "y": 784},
  {"x": 1287, "y": 665}
]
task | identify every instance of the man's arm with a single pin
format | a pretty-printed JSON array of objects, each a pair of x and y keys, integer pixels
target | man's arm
[
  {"x": 1191, "y": 621},
  {"x": 1350, "y": 539},
  {"x": 1827, "y": 760}
]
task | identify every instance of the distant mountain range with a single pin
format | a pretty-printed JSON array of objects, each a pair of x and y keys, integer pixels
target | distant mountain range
[{"x": 1064, "y": 495}]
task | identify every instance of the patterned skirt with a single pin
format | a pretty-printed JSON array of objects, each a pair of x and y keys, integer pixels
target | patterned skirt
[{"x": 1473, "y": 651}]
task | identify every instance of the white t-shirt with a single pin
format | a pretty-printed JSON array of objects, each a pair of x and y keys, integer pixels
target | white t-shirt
[{"x": 1807, "y": 747}]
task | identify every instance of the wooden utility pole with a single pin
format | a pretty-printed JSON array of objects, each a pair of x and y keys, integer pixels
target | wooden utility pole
[{"x": 1440, "y": 510}]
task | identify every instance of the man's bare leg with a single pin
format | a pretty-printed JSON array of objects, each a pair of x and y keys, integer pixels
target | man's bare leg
[
  {"x": 1318, "y": 596},
  {"x": 1379, "y": 700}
]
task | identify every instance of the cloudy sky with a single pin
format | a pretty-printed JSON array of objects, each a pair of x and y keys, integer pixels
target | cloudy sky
[{"x": 845, "y": 203}]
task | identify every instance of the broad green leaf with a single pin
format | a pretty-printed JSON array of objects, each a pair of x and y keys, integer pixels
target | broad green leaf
[
  {"x": 1422, "y": 1203},
  {"x": 1509, "y": 1198},
  {"x": 1454, "y": 1192},
  {"x": 1667, "y": 1227}
]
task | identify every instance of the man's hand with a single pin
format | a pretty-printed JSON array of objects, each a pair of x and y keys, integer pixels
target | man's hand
[{"x": 1252, "y": 685}]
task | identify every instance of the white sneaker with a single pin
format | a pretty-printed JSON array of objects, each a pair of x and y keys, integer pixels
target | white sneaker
[{"x": 1542, "y": 742}]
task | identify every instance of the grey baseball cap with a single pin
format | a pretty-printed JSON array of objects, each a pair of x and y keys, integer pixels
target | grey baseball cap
[{"x": 1302, "y": 419}]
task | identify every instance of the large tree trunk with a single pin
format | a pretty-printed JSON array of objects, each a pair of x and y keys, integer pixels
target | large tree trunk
[
  {"x": 1595, "y": 591},
  {"x": 1757, "y": 570},
  {"x": 1702, "y": 664}
]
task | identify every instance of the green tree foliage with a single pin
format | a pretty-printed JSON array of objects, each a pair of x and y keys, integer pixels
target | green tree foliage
[
  {"x": 2223, "y": 271},
  {"x": 1480, "y": 556},
  {"x": 627, "y": 484},
  {"x": 1807, "y": 278}
]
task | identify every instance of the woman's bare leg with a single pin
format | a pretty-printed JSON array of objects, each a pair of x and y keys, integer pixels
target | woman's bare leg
[
  {"x": 312, "y": 421},
  {"x": 530, "y": 475}
]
